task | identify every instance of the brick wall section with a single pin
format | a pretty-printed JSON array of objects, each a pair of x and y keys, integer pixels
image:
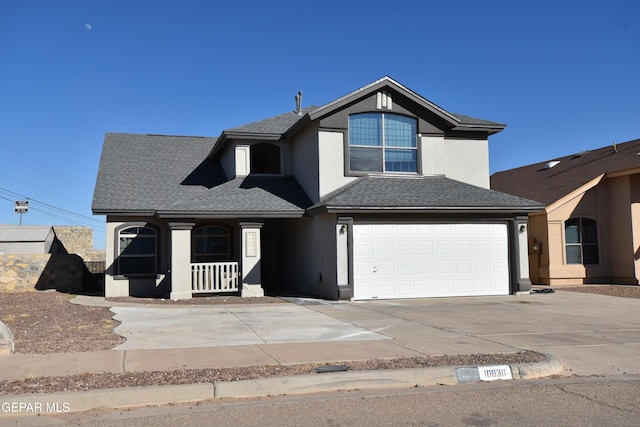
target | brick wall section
[{"x": 19, "y": 273}]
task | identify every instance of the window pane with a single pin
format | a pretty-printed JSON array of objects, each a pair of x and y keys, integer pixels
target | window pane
[
  {"x": 211, "y": 231},
  {"x": 573, "y": 254},
  {"x": 265, "y": 158},
  {"x": 137, "y": 246},
  {"x": 365, "y": 129},
  {"x": 399, "y": 131},
  {"x": 590, "y": 253},
  {"x": 211, "y": 244},
  {"x": 137, "y": 251},
  {"x": 400, "y": 160},
  {"x": 365, "y": 159},
  {"x": 137, "y": 265},
  {"x": 572, "y": 231},
  {"x": 589, "y": 231}
]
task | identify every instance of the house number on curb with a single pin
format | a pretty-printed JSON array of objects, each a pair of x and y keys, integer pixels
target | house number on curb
[{"x": 492, "y": 373}]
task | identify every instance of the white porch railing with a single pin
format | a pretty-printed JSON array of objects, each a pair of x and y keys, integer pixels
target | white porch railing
[{"x": 213, "y": 277}]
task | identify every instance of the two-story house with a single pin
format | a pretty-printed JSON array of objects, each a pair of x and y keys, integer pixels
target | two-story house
[{"x": 378, "y": 194}]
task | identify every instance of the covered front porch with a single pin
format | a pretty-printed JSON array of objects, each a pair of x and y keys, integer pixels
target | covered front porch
[{"x": 189, "y": 278}]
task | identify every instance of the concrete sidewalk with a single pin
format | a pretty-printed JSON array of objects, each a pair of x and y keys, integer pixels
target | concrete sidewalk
[{"x": 587, "y": 334}]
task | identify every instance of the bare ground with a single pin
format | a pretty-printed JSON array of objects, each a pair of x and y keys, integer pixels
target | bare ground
[{"x": 46, "y": 322}]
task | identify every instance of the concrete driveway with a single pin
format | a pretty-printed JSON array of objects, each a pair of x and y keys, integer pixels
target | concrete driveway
[
  {"x": 162, "y": 327},
  {"x": 590, "y": 334}
]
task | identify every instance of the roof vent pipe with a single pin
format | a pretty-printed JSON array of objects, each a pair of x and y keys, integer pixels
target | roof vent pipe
[
  {"x": 615, "y": 147},
  {"x": 299, "y": 103}
]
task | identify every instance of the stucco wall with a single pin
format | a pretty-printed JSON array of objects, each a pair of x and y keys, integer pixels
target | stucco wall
[
  {"x": 459, "y": 159},
  {"x": 115, "y": 286},
  {"x": 331, "y": 148},
  {"x": 635, "y": 223},
  {"x": 311, "y": 267},
  {"x": 306, "y": 161}
]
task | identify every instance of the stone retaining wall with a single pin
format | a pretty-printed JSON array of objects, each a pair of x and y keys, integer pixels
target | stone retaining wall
[
  {"x": 63, "y": 272},
  {"x": 79, "y": 241}
]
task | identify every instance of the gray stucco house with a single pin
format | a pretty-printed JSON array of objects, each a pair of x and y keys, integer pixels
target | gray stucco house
[{"x": 378, "y": 194}]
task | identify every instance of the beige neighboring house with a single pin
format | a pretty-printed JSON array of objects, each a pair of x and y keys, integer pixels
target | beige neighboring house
[{"x": 589, "y": 231}]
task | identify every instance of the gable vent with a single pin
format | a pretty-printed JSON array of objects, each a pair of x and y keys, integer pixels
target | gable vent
[{"x": 383, "y": 100}]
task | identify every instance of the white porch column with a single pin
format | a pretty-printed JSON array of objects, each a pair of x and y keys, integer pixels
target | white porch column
[
  {"x": 251, "y": 260},
  {"x": 180, "y": 260}
]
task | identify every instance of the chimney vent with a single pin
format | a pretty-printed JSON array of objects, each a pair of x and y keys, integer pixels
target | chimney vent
[{"x": 299, "y": 103}]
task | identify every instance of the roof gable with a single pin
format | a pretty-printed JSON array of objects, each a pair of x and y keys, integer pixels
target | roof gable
[
  {"x": 275, "y": 128},
  {"x": 549, "y": 181}
]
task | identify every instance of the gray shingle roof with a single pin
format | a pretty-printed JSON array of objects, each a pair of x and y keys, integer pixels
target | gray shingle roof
[
  {"x": 548, "y": 185},
  {"x": 274, "y": 125},
  {"x": 467, "y": 120},
  {"x": 429, "y": 193},
  {"x": 171, "y": 174}
]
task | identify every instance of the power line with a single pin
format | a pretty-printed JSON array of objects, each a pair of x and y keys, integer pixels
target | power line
[{"x": 80, "y": 219}]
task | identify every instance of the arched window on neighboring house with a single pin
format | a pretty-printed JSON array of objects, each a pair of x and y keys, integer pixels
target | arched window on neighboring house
[
  {"x": 211, "y": 244},
  {"x": 137, "y": 251},
  {"x": 581, "y": 241},
  {"x": 265, "y": 159}
]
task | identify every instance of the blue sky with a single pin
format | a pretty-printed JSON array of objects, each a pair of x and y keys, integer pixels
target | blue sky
[{"x": 563, "y": 75}]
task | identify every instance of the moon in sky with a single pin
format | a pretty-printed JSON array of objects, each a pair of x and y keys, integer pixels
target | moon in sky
[{"x": 88, "y": 26}]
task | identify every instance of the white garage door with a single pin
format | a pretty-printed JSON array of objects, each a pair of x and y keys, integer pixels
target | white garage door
[{"x": 430, "y": 260}]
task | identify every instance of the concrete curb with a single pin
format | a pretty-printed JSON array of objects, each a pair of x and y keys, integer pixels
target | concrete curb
[
  {"x": 63, "y": 402},
  {"x": 6, "y": 339}
]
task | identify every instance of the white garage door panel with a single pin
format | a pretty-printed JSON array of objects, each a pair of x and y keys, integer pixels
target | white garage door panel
[{"x": 430, "y": 260}]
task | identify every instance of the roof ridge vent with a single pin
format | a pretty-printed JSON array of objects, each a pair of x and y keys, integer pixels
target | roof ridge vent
[{"x": 550, "y": 164}]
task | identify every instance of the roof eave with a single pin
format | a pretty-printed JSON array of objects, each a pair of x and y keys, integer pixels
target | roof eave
[
  {"x": 231, "y": 214},
  {"x": 490, "y": 129},
  {"x": 123, "y": 212},
  {"x": 424, "y": 209},
  {"x": 226, "y": 135}
]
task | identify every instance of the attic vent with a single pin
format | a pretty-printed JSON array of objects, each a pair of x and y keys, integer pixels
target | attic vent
[
  {"x": 580, "y": 154},
  {"x": 550, "y": 164},
  {"x": 383, "y": 100}
]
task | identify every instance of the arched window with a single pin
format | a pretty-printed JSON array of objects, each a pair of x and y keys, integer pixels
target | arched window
[
  {"x": 211, "y": 244},
  {"x": 265, "y": 158},
  {"x": 137, "y": 248},
  {"x": 382, "y": 142},
  {"x": 581, "y": 241}
]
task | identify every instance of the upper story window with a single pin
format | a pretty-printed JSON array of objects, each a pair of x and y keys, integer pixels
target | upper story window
[
  {"x": 265, "y": 159},
  {"x": 137, "y": 247},
  {"x": 211, "y": 244},
  {"x": 581, "y": 241},
  {"x": 382, "y": 142}
]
